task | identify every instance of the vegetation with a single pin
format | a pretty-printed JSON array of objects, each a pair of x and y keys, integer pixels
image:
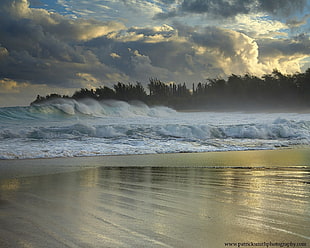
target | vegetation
[{"x": 274, "y": 90}]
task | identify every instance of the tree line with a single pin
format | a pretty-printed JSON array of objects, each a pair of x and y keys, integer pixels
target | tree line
[{"x": 275, "y": 90}]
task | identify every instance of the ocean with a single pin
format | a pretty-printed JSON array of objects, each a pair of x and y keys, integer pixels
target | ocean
[{"x": 69, "y": 128}]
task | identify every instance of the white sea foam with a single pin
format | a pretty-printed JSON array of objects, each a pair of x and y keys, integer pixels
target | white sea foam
[
  {"x": 68, "y": 107},
  {"x": 87, "y": 128}
]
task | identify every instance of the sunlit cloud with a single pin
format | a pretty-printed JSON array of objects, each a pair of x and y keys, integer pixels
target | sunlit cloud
[
  {"x": 115, "y": 55},
  {"x": 90, "y": 79},
  {"x": 22, "y": 93},
  {"x": 258, "y": 26},
  {"x": 10, "y": 86},
  {"x": 148, "y": 35},
  {"x": 76, "y": 44}
]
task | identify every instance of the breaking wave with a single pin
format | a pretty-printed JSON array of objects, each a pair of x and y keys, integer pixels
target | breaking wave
[
  {"x": 278, "y": 129},
  {"x": 91, "y": 108},
  {"x": 66, "y": 128}
]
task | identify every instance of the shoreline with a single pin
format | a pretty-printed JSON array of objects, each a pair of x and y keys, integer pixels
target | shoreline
[
  {"x": 156, "y": 200},
  {"x": 146, "y": 154},
  {"x": 282, "y": 157}
]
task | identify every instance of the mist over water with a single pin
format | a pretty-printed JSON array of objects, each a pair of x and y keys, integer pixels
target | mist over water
[{"x": 68, "y": 128}]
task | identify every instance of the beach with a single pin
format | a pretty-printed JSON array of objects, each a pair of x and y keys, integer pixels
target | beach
[
  {"x": 154, "y": 123},
  {"x": 213, "y": 199}
]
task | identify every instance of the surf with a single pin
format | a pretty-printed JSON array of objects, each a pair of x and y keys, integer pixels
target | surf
[
  {"x": 70, "y": 128},
  {"x": 60, "y": 108}
]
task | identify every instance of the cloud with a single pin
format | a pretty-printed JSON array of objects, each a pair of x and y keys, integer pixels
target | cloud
[
  {"x": 137, "y": 5},
  {"x": 299, "y": 45},
  {"x": 15, "y": 8},
  {"x": 258, "y": 26},
  {"x": 143, "y": 68},
  {"x": 36, "y": 3},
  {"x": 295, "y": 23},
  {"x": 115, "y": 55},
  {"x": 22, "y": 18},
  {"x": 219, "y": 8},
  {"x": 283, "y": 8},
  {"x": 231, "y": 8},
  {"x": 10, "y": 86},
  {"x": 47, "y": 48},
  {"x": 286, "y": 55},
  {"x": 20, "y": 93},
  {"x": 83, "y": 30},
  {"x": 3, "y": 53},
  {"x": 88, "y": 78},
  {"x": 232, "y": 51},
  {"x": 132, "y": 12},
  {"x": 183, "y": 53},
  {"x": 148, "y": 35},
  {"x": 178, "y": 54},
  {"x": 44, "y": 51}
]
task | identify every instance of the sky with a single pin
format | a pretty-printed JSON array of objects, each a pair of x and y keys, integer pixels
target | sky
[{"x": 59, "y": 46}]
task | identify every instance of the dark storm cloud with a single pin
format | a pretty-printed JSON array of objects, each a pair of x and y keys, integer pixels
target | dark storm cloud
[
  {"x": 285, "y": 47},
  {"x": 43, "y": 47},
  {"x": 46, "y": 48},
  {"x": 282, "y": 7},
  {"x": 213, "y": 37},
  {"x": 144, "y": 53},
  {"x": 188, "y": 55},
  {"x": 220, "y": 8},
  {"x": 231, "y": 8}
]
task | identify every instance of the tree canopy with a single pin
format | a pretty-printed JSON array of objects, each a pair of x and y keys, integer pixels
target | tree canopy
[{"x": 274, "y": 90}]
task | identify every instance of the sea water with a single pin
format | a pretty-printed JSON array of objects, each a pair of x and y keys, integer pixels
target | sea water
[{"x": 69, "y": 128}]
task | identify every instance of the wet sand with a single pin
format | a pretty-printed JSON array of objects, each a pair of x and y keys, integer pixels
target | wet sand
[{"x": 170, "y": 200}]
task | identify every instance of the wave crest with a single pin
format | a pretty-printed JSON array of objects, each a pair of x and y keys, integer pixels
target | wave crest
[
  {"x": 289, "y": 130},
  {"x": 88, "y": 107}
]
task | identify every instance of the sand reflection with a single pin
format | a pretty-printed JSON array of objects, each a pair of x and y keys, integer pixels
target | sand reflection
[{"x": 168, "y": 206}]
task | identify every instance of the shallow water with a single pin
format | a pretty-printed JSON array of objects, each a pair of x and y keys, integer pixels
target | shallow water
[{"x": 173, "y": 205}]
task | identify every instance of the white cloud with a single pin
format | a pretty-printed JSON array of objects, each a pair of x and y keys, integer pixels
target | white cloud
[
  {"x": 155, "y": 34},
  {"x": 235, "y": 52},
  {"x": 126, "y": 36},
  {"x": 257, "y": 26},
  {"x": 285, "y": 64},
  {"x": 135, "y": 12},
  {"x": 287, "y": 55}
]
